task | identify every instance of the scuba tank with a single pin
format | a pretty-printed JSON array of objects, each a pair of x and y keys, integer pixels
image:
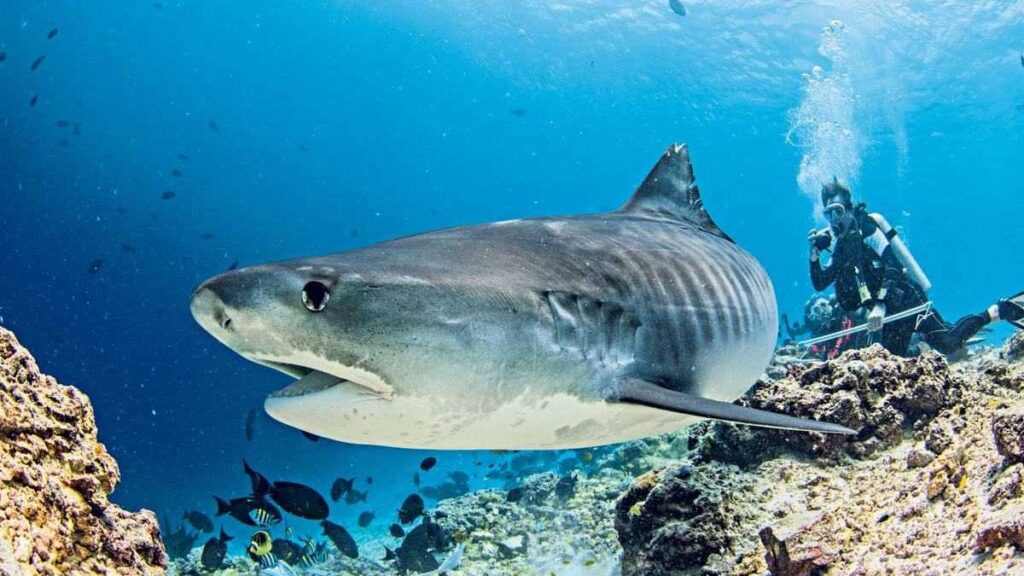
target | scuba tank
[{"x": 910, "y": 265}]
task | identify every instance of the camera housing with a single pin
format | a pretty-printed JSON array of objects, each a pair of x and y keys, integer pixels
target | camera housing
[{"x": 823, "y": 239}]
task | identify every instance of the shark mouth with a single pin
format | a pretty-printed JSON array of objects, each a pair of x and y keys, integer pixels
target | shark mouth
[{"x": 314, "y": 374}]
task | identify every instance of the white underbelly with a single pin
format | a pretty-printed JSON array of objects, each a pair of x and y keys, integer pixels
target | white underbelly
[{"x": 347, "y": 413}]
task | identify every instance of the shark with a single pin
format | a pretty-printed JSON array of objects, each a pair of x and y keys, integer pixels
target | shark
[{"x": 540, "y": 333}]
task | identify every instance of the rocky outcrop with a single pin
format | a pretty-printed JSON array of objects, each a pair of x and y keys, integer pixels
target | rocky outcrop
[
  {"x": 868, "y": 390},
  {"x": 55, "y": 477},
  {"x": 681, "y": 515},
  {"x": 933, "y": 484}
]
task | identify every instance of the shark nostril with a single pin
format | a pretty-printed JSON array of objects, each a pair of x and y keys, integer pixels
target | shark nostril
[{"x": 225, "y": 322}]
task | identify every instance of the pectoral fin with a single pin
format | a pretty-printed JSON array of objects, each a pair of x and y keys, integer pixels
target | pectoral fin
[{"x": 648, "y": 394}]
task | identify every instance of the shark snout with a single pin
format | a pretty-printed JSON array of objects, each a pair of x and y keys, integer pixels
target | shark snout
[{"x": 209, "y": 311}]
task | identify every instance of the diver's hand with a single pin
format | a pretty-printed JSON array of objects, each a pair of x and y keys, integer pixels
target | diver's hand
[
  {"x": 811, "y": 239},
  {"x": 875, "y": 317}
]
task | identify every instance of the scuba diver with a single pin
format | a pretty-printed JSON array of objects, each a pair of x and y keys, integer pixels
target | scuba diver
[
  {"x": 873, "y": 270},
  {"x": 823, "y": 316}
]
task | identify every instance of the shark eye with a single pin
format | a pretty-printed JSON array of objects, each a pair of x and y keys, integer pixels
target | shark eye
[{"x": 315, "y": 296}]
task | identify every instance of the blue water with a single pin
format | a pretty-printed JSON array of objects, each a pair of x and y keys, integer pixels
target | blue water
[{"x": 341, "y": 124}]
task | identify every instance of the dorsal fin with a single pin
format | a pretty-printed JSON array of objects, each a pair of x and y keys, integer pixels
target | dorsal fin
[{"x": 671, "y": 191}]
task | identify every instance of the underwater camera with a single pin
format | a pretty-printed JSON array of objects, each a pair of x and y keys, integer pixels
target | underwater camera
[{"x": 823, "y": 239}]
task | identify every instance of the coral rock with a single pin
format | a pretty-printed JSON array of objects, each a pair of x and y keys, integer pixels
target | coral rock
[
  {"x": 869, "y": 390},
  {"x": 1008, "y": 431},
  {"x": 1005, "y": 529},
  {"x": 810, "y": 560},
  {"x": 919, "y": 457},
  {"x": 55, "y": 478},
  {"x": 1014, "y": 350},
  {"x": 676, "y": 517}
]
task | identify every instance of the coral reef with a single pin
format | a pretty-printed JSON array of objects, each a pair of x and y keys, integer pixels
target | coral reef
[
  {"x": 931, "y": 485},
  {"x": 55, "y": 478}
]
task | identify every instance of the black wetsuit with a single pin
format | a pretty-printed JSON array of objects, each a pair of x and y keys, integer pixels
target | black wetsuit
[{"x": 863, "y": 258}]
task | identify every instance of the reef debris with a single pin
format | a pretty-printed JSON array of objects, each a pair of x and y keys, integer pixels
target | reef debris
[{"x": 55, "y": 479}]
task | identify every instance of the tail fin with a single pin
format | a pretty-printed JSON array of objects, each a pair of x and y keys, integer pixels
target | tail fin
[{"x": 222, "y": 506}]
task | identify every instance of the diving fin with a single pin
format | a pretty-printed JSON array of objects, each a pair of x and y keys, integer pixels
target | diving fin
[
  {"x": 643, "y": 392},
  {"x": 1012, "y": 310}
]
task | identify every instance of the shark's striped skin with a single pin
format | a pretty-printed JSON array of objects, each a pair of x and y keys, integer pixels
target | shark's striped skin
[{"x": 539, "y": 333}]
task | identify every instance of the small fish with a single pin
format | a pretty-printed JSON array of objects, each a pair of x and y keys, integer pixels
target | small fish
[
  {"x": 439, "y": 514},
  {"x": 514, "y": 495},
  {"x": 178, "y": 542},
  {"x": 37, "y": 62},
  {"x": 299, "y": 499},
  {"x": 158, "y": 5},
  {"x": 52, "y": 34},
  {"x": 411, "y": 509},
  {"x": 95, "y": 266},
  {"x": 312, "y": 553},
  {"x": 128, "y": 248},
  {"x": 168, "y": 195},
  {"x": 238, "y": 508},
  {"x": 416, "y": 479},
  {"x": 365, "y": 518},
  {"x": 566, "y": 486},
  {"x": 355, "y": 496},
  {"x": 261, "y": 549},
  {"x": 1021, "y": 60},
  {"x": 341, "y": 539},
  {"x": 286, "y": 550},
  {"x": 214, "y": 551},
  {"x": 233, "y": 266},
  {"x": 260, "y": 484},
  {"x": 310, "y": 436},
  {"x": 207, "y": 236},
  {"x": 303, "y": 148},
  {"x": 265, "y": 515},
  {"x": 396, "y": 531},
  {"x": 677, "y": 7},
  {"x": 76, "y": 129},
  {"x": 32, "y": 101},
  {"x": 250, "y": 424},
  {"x": 177, "y": 173},
  {"x": 587, "y": 456},
  {"x": 183, "y": 157},
  {"x": 260, "y": 543},
  {"x": 389, "y": 555},
  {"x": 519, "y": 112},
  {"x": 369, "y": 480},
  {"x": 459, "y": 477},
  {"x": 428, "y": 463},
  {"x": 199, "y": 521},
  {"x": 62, "y": 124},
  {"x": 340, "y": 487},
  {"x": 3, "y": 56},
  {"x": 214, "y": 126}
]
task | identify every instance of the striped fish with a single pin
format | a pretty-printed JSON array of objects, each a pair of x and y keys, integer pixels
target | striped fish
[{"x": 263, "y": 516}]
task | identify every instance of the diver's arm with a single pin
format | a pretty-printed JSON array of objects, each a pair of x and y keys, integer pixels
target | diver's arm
[{"x": 821, "y": 277}]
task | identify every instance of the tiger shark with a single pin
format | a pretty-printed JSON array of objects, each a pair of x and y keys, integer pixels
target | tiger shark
[{"x": 542, "y": 333}]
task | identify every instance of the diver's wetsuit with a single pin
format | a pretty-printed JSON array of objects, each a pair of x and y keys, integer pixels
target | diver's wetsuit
[{"x": 865, "y": 271}]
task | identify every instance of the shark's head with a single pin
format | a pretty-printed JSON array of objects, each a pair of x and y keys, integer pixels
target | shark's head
[
  {"x": 350, "y": 333},
  {"x": 313, "y": 322}
]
